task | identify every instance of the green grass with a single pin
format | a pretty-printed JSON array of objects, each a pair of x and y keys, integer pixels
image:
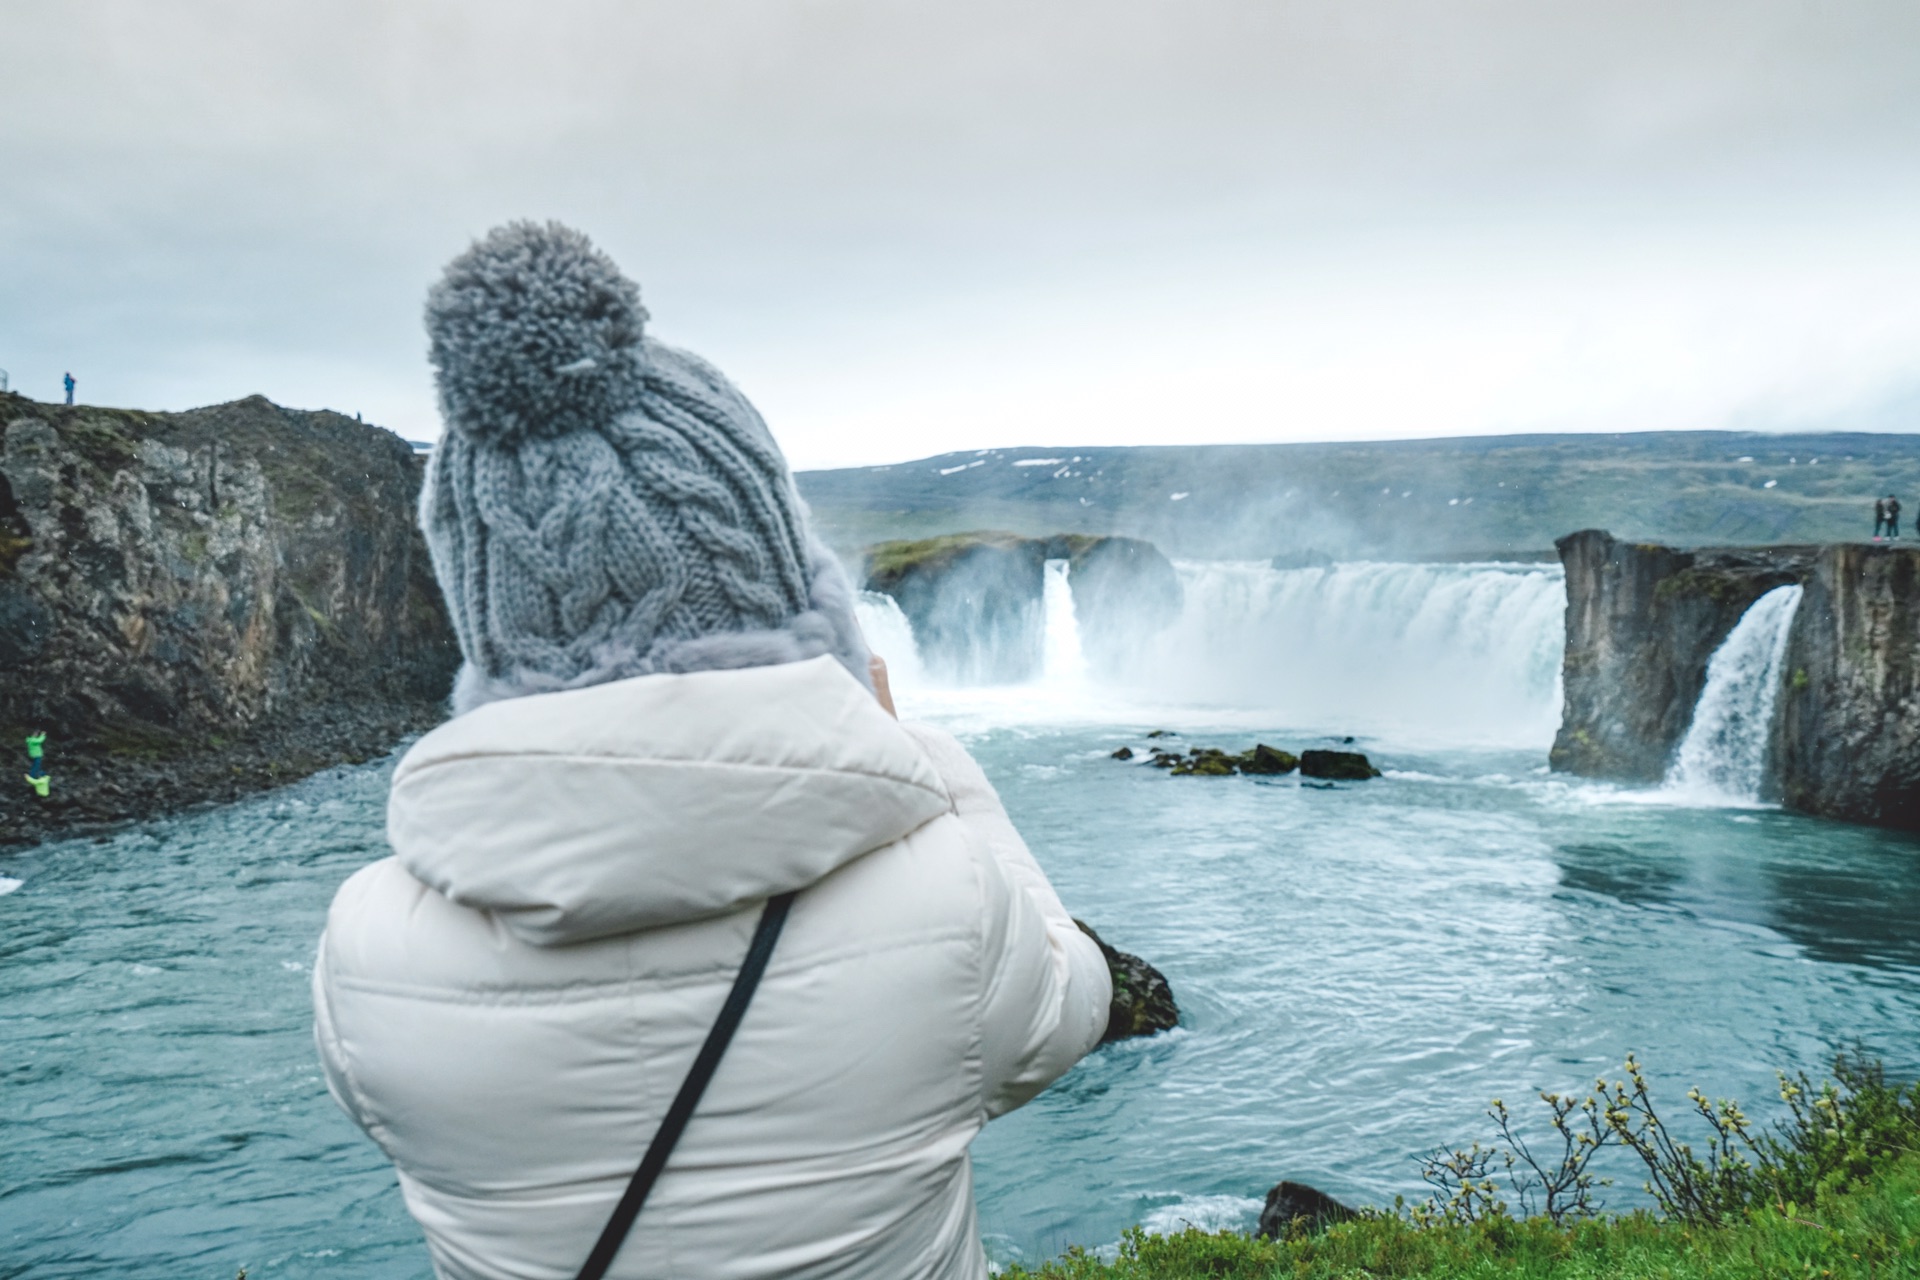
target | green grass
[
  {"x": 1871, "y": 1230},
  {"x": 888, "y": 559}
]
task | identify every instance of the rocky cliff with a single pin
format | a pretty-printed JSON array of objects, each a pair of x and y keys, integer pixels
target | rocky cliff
[
  {"x": 195, "y": 604},
  {"x": 1847, "y": 744},
  {"x": 1642, "y": 622},
  {"x": 976, "y": 600}
]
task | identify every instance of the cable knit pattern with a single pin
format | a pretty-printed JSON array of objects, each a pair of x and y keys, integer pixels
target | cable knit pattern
[{"x": 603, "y": 505}]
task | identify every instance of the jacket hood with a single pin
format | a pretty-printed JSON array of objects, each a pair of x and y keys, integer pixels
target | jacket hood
[{"x": 656, "y": 800}]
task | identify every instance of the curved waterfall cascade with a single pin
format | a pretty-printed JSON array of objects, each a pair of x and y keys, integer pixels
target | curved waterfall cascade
[
  {"x": 1724, "y": 755},
  {"x": 1450, "y": 652},
  {"x": 1446, "y": 652}
]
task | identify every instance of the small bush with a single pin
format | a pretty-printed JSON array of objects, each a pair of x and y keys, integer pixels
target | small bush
[{"x": 1834, "y": 1136}]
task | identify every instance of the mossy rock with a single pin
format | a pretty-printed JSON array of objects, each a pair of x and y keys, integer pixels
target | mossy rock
[
  {"x": 1142, "y": 1001},
  {"x": 1205, "y": 762},
  {"x": 1267, "y": 760},
  {"x": 1337, "y": 766}
]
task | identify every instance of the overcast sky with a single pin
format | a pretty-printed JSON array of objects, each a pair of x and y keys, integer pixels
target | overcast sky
[{"x": 905, "y": 228}]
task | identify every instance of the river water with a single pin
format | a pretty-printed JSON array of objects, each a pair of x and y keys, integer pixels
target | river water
[{"x": 1360, "y": 967}]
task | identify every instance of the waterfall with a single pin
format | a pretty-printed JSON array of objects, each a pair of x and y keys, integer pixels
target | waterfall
[
  {"x": 890, "y": 635},
  {"x": 1431, "y": 652},
  {"x": 1443, "y": 653},
  {"x": 1063, "y": 663},
  {"x": 1724, "y": 755}
]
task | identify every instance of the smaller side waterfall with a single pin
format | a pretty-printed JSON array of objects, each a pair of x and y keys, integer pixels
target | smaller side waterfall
[
  {"x": 890, "y": 635},
  {"x": 1063, "y": 662},
  {"x": 1724, "y": 755}
]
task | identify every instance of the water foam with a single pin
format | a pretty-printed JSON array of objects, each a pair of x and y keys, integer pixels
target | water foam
[
  {"x": 1434, "y": 652},
  {"x": 1724, "y": 757},
  {"x": 1446, "y": 654},
  {"x": 8, "y": 884}
]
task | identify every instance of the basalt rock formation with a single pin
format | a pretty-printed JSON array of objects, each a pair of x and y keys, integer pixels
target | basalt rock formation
[
  {"x": 197, "y": 604},
  {"x": 1142, "y": 1000},
  {"x": 1847, "y": 742},
  {"x": 1642, "y": 622},
  {"x": 976, "y": 600}
]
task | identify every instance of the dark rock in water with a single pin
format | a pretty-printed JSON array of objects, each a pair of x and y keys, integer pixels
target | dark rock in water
[
  {"x": 1264, "y": 759},
  {"x": 1295, "y": 1209},
  {"x": 1163, "y": 733},
  {"x": 1124, "y": 753},
  {"x": 1339, "y": 766},
  {"x": 1205, "y": 762},
  {"x": 195, "y": 605},
  {"x": 1165, "y": 759},
  {"x": 1142, "y": 1000},
  {"x": 1642, "y": 622}
]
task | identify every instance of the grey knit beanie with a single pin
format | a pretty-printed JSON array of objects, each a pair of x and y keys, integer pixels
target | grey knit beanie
[{"x": 602, "y": 505}]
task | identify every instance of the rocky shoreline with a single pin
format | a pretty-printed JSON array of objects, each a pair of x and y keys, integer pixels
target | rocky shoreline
[{"x": 195, "y": 606}]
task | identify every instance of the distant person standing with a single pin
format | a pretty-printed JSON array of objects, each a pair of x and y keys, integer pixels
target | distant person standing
[
  {"x": 1893, "y": 516},
  {"x": 1879, "y": 517},
  {"x": 68, "y": 379}
]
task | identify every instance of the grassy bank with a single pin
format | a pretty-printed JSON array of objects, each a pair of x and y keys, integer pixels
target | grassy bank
[
  {"x": 1871, "y": 1231},
  {"x": 1831, "y": 1190}
]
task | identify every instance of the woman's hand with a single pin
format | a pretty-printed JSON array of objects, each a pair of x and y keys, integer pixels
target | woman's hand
[{"x": 877, "y": 668}]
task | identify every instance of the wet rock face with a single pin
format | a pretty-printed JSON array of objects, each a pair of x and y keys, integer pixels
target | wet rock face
[
  {"x": 169, "y": 582},
  {"x": 1124, "y": 591},
  {"x": 1642, "y": 622},
  {"x": 977, "y": 600},
  {"x": 1847, "y": 742},
  {"x": 1142, "y": 1000}
]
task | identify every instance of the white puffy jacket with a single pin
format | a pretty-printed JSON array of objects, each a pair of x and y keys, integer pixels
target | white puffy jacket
[{"x": 507, "y": 1004}]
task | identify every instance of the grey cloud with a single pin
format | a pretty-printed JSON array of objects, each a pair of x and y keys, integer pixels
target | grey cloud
[{"x": 198, "y": 187}]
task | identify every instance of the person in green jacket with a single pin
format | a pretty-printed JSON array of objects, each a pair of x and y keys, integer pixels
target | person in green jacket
[{"x": 37, "y": 763}]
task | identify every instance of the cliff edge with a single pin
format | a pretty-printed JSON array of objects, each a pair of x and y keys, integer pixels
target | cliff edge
[
  {"x": 194, "y": 605},
  {"x": 1847, "y": 743},
  {"x": 976, "y": 600},
  {"x": 1642, "y": 622}
]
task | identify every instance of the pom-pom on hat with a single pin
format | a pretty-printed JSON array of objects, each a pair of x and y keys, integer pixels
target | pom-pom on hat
[{"x": 603, "y": 505}]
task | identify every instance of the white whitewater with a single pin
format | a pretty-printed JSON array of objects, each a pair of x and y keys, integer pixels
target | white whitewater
[
  {"x": 1442, "y": 653},
  {"x": 1723, "y": 758},
  {"x": 8, "y": 884},
  {"x": 890, "y": 634},
  {"x": 1063, "y": 664}
]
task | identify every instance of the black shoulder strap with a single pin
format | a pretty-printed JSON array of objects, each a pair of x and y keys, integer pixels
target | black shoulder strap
[{"x": 758, "y": 953}]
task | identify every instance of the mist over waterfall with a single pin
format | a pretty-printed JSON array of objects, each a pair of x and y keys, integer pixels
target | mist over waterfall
[
  {"x": 890, "y": 634},
  {"x": 1443, "y": 653},
  {"x": 1725, "y": 753}
]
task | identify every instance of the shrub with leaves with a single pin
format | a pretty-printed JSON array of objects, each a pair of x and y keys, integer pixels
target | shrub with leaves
[{"x": 1833, "y": 1137}]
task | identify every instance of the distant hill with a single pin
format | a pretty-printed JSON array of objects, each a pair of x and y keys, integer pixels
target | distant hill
[{"x": 1443, "y": 498}]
